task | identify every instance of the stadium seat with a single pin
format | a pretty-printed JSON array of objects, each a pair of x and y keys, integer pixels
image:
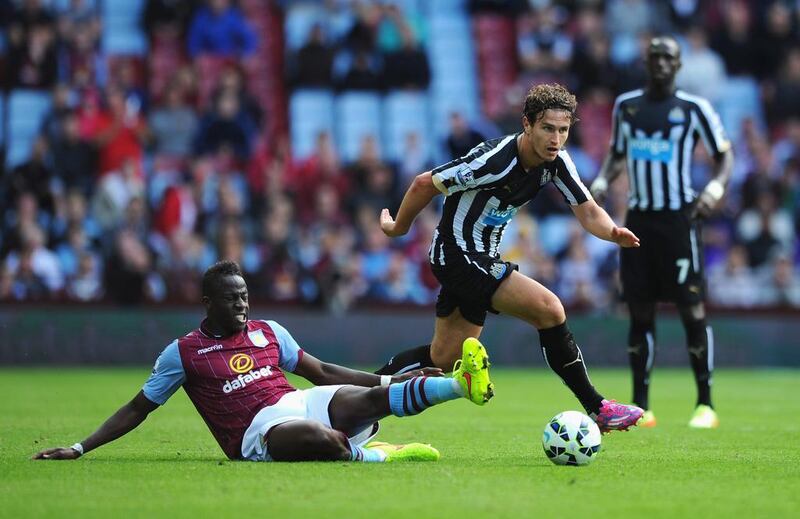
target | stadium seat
[
  {"x": 124, "y": 42},
  {"x": 446, "y": 7},
  {"x": 554, "y": 233},
  {"x": 62, "y": 6},
  {"x": 310, "y": 112},
  {"x": 404, "y": 113},
  {"x": 497, "y": 66},
  {"x": 2, "y": 120},
  {"x": 358, "y": 115},
  {"x": 299, "y": 21},
  {"x": 740, "y": 100},
  {"x": 452, "y": 58},
  {"x": 26, "y": 109},
  {"x": 121, "y": 31}
]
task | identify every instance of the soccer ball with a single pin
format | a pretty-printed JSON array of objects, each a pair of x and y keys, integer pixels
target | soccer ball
[{"x": 571, "y": 438}]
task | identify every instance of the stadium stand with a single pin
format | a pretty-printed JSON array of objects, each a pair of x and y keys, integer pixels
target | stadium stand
[{"x": 297, "y": 203}]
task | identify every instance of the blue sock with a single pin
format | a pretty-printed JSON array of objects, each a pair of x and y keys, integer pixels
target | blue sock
[
  {"x": 419, "y": 393},
  {"x": 366, "y": 455}
]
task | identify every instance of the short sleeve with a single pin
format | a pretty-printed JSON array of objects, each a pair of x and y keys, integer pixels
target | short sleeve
[
  {"x": 617, "y": 144},
  {"x": 290, "y": 350},
  {"x": 568, "y": 181},
  {"x": 482, "y": 168},
  {"x": 709, "y": 126},
  {"x": 167, "y": 376}
]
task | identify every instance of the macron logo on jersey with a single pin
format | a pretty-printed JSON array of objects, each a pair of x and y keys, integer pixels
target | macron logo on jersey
[
  {"x": 659, "y": 150},
  {"x": 209, "y": 349},
  {"x": 242, "y": 380}
]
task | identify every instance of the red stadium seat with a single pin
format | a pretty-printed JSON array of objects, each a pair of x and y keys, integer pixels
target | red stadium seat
[{"x": 497, "y": 63}]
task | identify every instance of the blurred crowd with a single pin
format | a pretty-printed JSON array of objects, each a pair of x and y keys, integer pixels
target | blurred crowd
[{"x": 133, "y": 187}]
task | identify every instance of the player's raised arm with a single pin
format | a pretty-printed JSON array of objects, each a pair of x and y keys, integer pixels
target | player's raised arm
[
  {"x": 419, "y": 194},
  {"x": 126, "y": 419},
  {"x": 594, "y": 219}
]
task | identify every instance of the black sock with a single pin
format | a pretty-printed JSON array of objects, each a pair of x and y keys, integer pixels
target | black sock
[
  {"x": 565, "y": 358},
  {"x": 700, "y": 343},
  {"x": 414, "y": 358},
  {"x": 641, "y": 354}
]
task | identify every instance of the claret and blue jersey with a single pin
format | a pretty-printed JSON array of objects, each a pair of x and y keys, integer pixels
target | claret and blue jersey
[{"x": 228, "y": 379}]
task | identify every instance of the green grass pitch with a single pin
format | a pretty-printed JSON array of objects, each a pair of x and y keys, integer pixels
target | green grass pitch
[{"x": 492, "y": 462}]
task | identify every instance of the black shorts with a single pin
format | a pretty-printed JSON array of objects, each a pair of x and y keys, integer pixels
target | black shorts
[
  {"x": 668, "y": 266},
  {"x": 468, "y": 283}
]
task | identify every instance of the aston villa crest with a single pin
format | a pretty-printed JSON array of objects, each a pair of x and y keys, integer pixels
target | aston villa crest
[{"x": 257, "y": 338}]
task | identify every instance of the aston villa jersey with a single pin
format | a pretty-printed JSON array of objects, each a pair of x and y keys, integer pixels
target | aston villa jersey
[{"x": 228, "y": 379}]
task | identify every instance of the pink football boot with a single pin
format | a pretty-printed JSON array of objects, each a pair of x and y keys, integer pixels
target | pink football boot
[{"x": 614, "y": 416}]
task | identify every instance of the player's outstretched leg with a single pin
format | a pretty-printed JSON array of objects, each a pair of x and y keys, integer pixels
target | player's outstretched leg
[
  {"x": 472, "y": 372},
  {"x": 407, "y": 452},
  {"x": 565, "y": 358},
  {"x": 470, "y": 380}
]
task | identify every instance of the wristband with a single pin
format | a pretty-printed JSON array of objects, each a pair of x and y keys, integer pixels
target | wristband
[
  {"x": 386, "y": 380},
  {"x": 599, "y": 184},
  {"x": 715, "y": 190},
  {"x": 78, "y": 448}
]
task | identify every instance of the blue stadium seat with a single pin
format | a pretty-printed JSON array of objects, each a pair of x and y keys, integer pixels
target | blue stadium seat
[
  {"x": 300, "y": 18},
  {"x": 2, "y": 119},
  {"x": 26, "y": 109},
  {"x": 446, "y": 7},
  {"x": 62, "y": 6},
  {"x": 358, "y": 115},
  {"x": 118, "y": 7},
  {"x": 310, "y": 112},
  {"x": 122, "y": 33},
  {"x": 452, "y": 58},
  {"x": 554, "y": 232},
  {"x": 447, "y": 27},
  {"x": 404, "y": 113},
  {"x": 740, "y": 100},
  {"x": 124, "y": 42}
]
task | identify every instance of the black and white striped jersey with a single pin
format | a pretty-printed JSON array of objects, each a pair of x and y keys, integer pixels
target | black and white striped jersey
[
  {"x": 485, "y": 189},
  {"x": 657, "y": 138}
]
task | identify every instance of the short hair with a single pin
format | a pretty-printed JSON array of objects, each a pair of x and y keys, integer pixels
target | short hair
[
  {"x": 664, "y": 39},
  {"x": 549, "y": 97},
  {"x": 216, "y": 272}
]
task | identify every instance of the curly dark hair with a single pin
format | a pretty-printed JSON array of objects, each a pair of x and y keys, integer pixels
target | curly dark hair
[
  {"x": 216, "y": 272},
  {"x": 549, "y": 97}
]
